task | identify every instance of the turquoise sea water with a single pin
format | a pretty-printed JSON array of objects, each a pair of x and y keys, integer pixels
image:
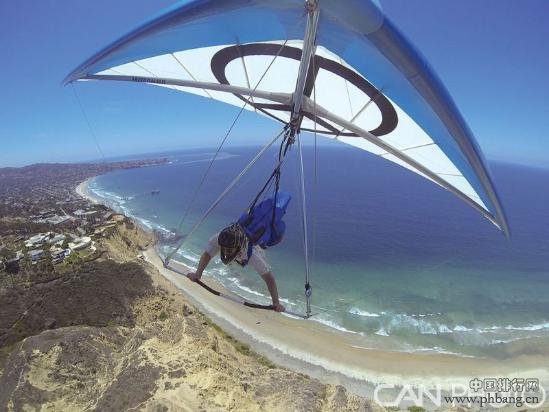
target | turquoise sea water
[{"x": 392, "y": 254}]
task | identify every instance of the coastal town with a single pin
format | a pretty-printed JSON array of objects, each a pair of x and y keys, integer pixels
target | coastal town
[
  {"x": 44, "y": 222},
  {"x": 86, "y": 315}
]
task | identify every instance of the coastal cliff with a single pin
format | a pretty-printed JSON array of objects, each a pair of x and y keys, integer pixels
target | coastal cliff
[{"x": 113, "y": 334}]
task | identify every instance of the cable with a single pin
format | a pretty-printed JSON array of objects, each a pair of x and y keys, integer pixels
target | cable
[
  {"x": 225, "y": 192},
  {"x": 93, "y": 134},
  {"x": 204, "y": 176},
  {"x": 88, "y": 123}
]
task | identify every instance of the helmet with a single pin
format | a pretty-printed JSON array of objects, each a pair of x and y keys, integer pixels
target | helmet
[{"x": 231, "y": 239}]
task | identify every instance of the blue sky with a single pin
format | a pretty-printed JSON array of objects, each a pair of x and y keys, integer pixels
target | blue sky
[{"x": 492, "y": 56}]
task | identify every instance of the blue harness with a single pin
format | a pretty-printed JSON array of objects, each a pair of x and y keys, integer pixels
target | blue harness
[{"x": 263, "y": 224}]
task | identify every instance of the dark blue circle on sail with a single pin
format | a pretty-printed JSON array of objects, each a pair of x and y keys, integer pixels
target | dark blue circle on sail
[{"x": 223, "y": 57}]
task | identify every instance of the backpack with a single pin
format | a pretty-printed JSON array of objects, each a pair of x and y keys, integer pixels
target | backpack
[{"x": 263, "y": 224}]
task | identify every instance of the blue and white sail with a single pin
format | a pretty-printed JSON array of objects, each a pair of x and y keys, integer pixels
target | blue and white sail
[{"x": 364, "y": 83}]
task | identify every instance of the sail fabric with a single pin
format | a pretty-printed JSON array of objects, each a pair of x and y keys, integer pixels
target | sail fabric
[{"x": 363, "y": 71}]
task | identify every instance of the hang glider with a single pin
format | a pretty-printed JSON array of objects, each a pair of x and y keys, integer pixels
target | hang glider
[{"x": 337, "y": 66}]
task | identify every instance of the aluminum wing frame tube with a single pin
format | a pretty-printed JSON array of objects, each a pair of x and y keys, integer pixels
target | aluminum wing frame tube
[
  {"x": 306, "y": 56},
  {"x": 308, "y": 289},
  {"x": 283, "y": 98},
  {"x": 319, "y": 111},
  {"x": 235, "y": 298}
]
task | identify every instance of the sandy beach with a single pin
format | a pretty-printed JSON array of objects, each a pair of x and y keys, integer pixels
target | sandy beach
[
  {"x": 341, "y": 358},
  {"x": 82, "y": 191},
  {"x": 311, "y": 345}
]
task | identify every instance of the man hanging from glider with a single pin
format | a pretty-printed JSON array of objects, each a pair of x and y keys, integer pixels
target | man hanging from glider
[{"x": 233, "y": 245}]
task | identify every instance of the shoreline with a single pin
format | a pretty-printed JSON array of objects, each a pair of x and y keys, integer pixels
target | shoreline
[
  {"x": 321, "y": 352},
  {"x": 318, "y": 348},
  {"x": 83, "y": 191}
]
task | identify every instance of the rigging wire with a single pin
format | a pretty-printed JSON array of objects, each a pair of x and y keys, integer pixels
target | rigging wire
[
  {"x": 274, "y": 178},
  {"x": 92, "y": 132},
  {"x": 225, "y": 137},
  {"x": 87, "y": 120},
  {"x": 116, "y": 179},
  {"x": 224, "y": 193}
]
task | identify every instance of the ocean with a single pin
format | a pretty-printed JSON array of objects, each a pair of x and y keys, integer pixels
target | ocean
[{"x": 394, "y": 258}]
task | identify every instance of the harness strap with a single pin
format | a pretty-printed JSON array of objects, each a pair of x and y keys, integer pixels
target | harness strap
[
  {"x": 248, "y": 255},
  {"x": 222, "y": 195},
  {"x": 287, "y": 141},
  {"x": 275, "y": 175}
]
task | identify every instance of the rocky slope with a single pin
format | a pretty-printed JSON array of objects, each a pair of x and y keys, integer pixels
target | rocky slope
[{"x": 116, "y": 335}]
